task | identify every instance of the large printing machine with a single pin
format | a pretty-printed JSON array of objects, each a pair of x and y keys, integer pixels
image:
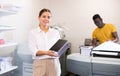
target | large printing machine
[{"x": 104, "y": 60}]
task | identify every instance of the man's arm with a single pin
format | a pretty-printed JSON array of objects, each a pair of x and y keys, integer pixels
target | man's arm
[
  {"x": 115, "y": 35},
  {"x": 94, "y": 42}
]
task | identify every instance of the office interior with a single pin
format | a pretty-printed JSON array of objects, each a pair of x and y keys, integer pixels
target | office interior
[{"x": 75, "y": 18}]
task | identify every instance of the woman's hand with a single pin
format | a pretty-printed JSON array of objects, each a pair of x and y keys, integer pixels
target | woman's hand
[{"x": 51, "y": 53}]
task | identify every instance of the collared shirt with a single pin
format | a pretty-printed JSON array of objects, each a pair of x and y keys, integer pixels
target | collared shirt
[{"x": 39, "y": 40}]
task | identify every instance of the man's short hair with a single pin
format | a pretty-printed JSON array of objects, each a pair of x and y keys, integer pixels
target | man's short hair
[{"x": 96, "y": 16}]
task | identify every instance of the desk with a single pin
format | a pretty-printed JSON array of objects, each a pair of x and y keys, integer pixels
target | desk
[{"x": 93, "y": 66}]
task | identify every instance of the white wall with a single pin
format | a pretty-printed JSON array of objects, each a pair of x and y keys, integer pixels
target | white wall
[{"x": 77, "y": 16}]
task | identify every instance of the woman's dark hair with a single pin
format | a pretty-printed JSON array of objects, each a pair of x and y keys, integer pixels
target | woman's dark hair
[
  {"x": 96, "y": 16},
  {"x": 44, "y": 10}
]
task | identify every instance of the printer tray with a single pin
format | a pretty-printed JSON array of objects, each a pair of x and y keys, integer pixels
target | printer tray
[{"x": 110, "y": 56}]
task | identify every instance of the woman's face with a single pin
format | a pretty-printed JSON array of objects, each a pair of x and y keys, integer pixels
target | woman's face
[{"x": 45, "y": 18}]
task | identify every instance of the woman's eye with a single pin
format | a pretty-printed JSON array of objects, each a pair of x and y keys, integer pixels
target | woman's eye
[
  {"x": 48, "y": 17},
  {"x": 44, "y": 16}
]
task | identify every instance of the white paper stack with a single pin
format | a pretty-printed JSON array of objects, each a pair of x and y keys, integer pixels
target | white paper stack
[
  {"x": 85, "y": 50},
  {"x": 108, "y": 46}
]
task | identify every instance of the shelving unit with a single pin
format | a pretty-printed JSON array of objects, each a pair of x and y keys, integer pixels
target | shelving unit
[{"x": 7, "y": 47}]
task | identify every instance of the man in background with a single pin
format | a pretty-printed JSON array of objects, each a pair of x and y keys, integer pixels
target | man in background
[{"x": 103, "y": 32}]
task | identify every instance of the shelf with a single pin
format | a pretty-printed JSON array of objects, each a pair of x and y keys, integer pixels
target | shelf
[
  {"x": 7, "y": 44},
  {"x": 6, "y": 28},
  {"x": 8, "y": 70},
  {"x": 7, "y": 48},
  {"x": 4, "y": 12}
]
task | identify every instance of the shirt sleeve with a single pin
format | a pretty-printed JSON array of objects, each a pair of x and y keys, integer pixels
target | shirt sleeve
[
  {"x": 32, "y": 44},
  {"x": 114, "y": 28}
]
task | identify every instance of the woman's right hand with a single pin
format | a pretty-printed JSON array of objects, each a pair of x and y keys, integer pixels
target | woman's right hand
[{"x": 50, "y": 53}]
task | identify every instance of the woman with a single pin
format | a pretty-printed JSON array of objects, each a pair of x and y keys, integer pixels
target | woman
[{"x": 41, "y": 40}]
